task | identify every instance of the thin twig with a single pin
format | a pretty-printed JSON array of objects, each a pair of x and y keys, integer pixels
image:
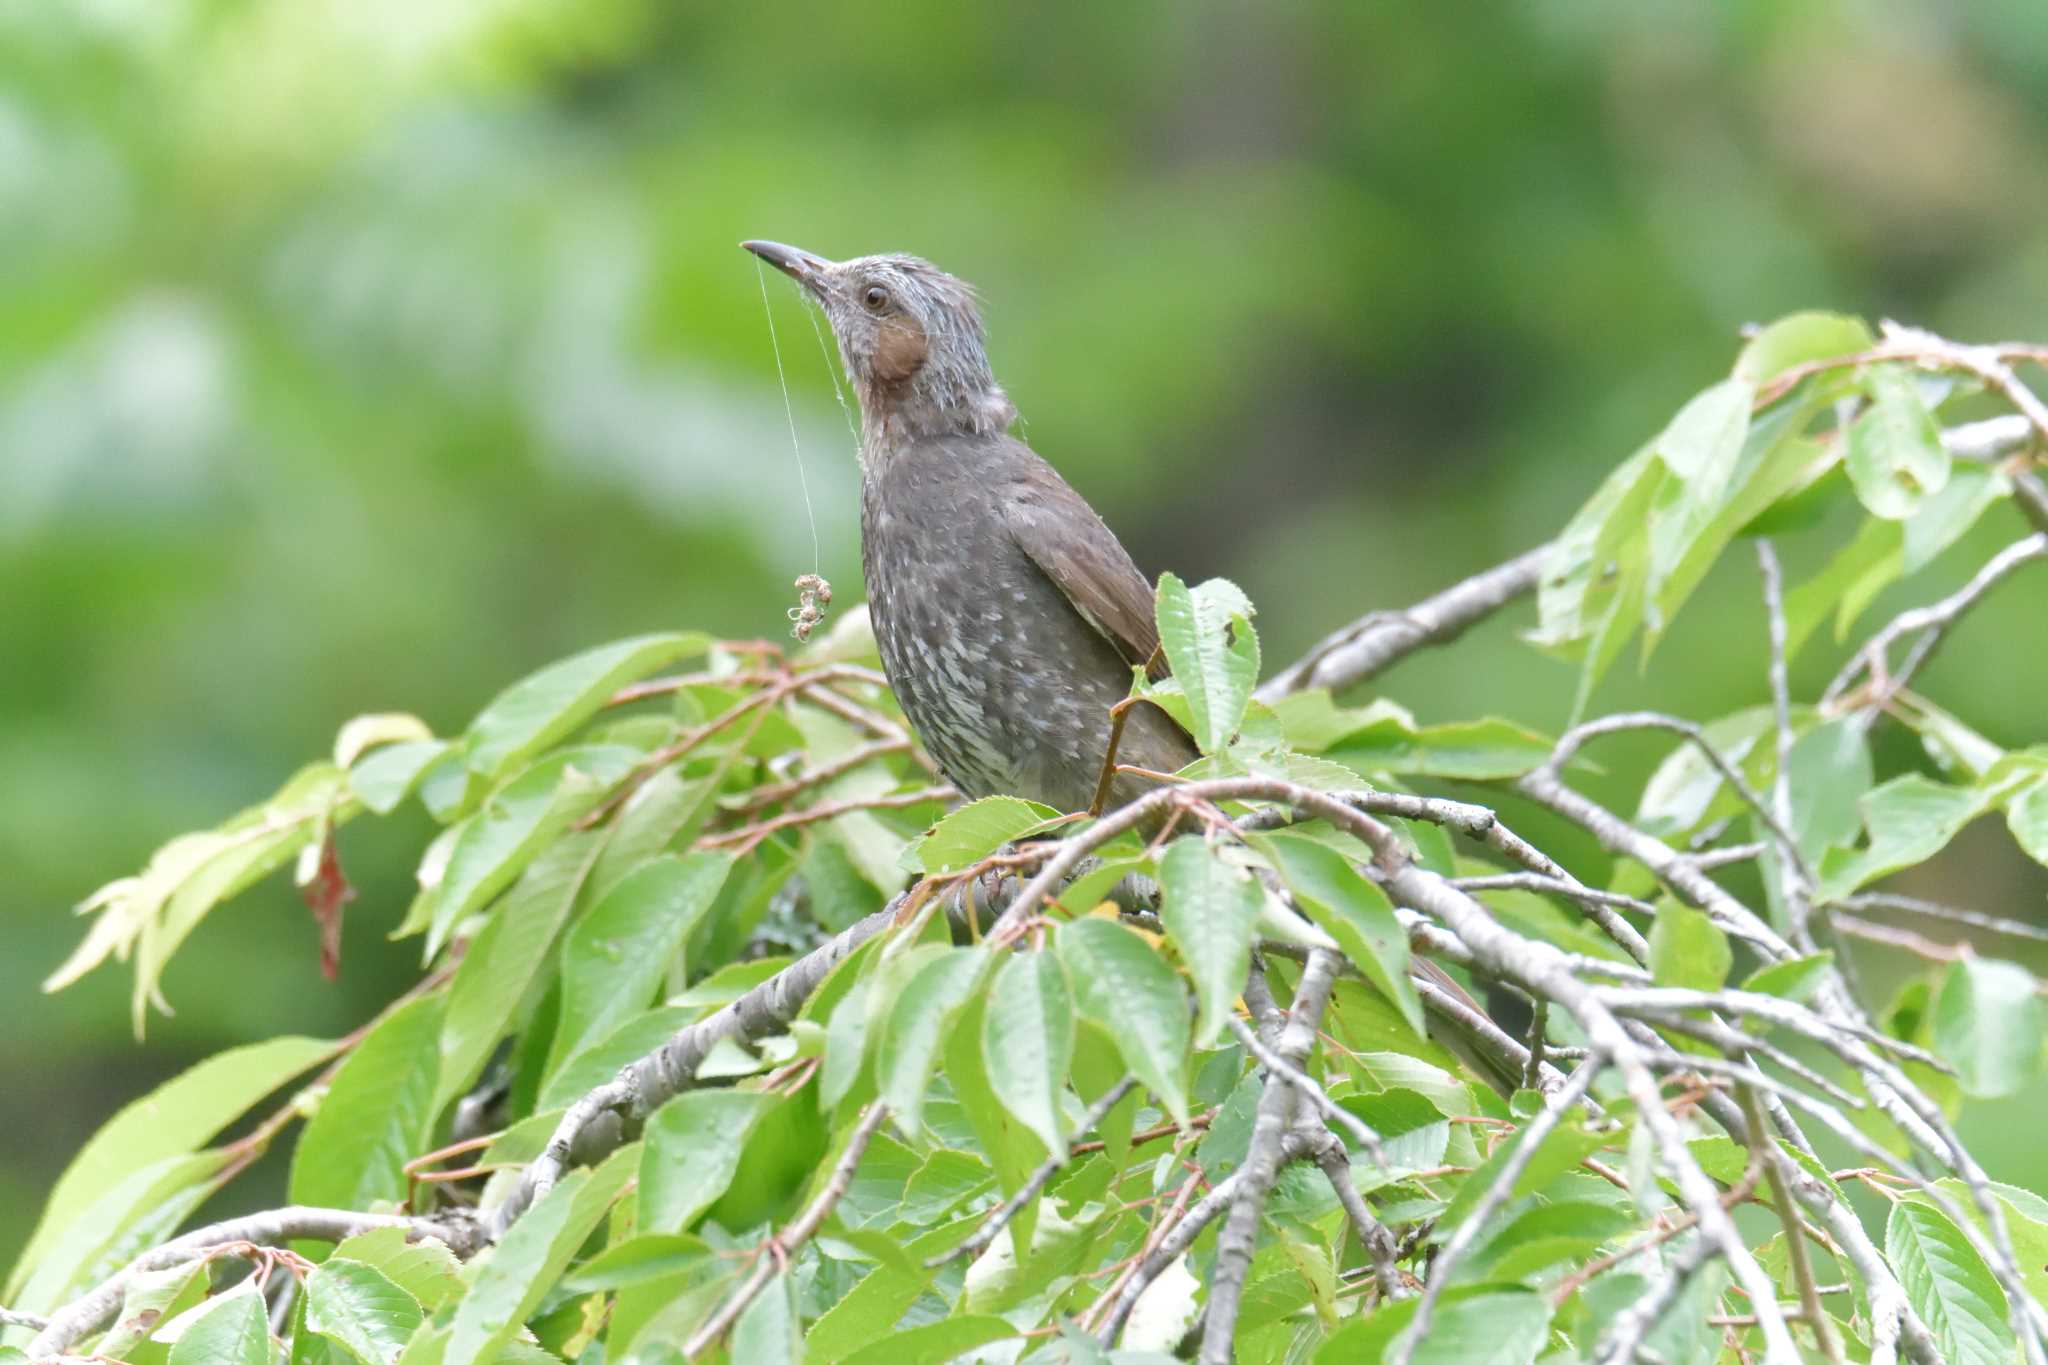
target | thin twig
[
  {"x": 1316, "y": 1096},
  {"x": 1379, "y": 640},
  {"x": 1496, "y": 1194},
  {"x": 772, "y": 1255},
  {"x": 1035, "y": 1185}
]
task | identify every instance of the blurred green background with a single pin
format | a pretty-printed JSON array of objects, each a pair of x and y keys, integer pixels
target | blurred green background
[{"x": 363, "y": 354}]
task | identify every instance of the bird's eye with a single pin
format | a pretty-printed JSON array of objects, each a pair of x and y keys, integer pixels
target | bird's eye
[{"x": 877, "y": 298}]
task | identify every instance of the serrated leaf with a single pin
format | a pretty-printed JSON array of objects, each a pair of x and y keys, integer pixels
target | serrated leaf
[
  {"x": 1949, "y": 1286},
  {"x": 547, "y": 705},
  {"x": 1987, "y": 1024},
  {"x": 493, "y": 846},
  {"x": 1121, "y": 984},
  {"x": 501, "y": 962},
  {"x": 1476, "y": 751},
  {"x": 969, "y": 834},
  {"x": 690, "y": 1151},
  {"x": 616, "y": 955},
  {"x": 1214, "y": 653},
  {"x": 1209, "y": 909},
  {"x": 1908, "y": 820},
  {"x": 377, "y": 1114},
  {"x": 357, "y": 1306},
  {"x": 234, "y": 1333},
  {"x": 425, "y": 1269},
  {"x": 1027, "y": 1042},
  {"x": 1351, "y": 910},
  {"x": 914, "y": 1030},
  {"x": 1687, "y": 949},
  {"x": 145, "y": 1303},
  {"x": 508, "y": 1282},
  {"x": 647, "y": 1257},
  {"x": 1895, "y": 456},
  {"x": 770, "y": 1331}
]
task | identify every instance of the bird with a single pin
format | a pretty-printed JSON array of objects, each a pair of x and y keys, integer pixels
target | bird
[{"x": 1009, "y": 617}]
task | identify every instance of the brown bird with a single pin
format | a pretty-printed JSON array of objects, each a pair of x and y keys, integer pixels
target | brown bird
[{"x": 1008, "y": 615}]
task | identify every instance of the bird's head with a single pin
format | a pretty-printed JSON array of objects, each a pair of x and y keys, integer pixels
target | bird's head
[{"x": 911, "y": 338}]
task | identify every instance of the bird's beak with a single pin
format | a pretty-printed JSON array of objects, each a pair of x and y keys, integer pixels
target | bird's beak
[{"x": 801, "y": 266}]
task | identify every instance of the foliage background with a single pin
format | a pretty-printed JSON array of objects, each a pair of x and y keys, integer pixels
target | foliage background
[{"x": 363, "y": 355}]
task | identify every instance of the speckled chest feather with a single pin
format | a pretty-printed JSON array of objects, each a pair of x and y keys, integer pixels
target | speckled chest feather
[{"x": 1006, "y": 684}]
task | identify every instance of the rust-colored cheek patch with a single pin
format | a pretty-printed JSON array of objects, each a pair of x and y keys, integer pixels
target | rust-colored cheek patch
[{"x": 900, "y": 349}]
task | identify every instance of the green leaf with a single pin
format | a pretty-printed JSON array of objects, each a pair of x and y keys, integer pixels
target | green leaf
[
  {"x": 1798, "y": 338},
  {"x": 1562, "y": 1148},
  {"x": 1895, "y": 459},
  {"x": 1945, "y": 516},
  {"x": 770, "y": 1331},
  {"x": 1209, "y": 909},
  {"x": 615, "y": 957},
  {"x": 425, "y": 1269},
  {"x": 1544, "y": 1235},
  {"x": 915, "y": 1028},
  {"x": 508, "y": 1282},
  {"x": 1687, "y": 949},
  {"x": 1701, "y": 448},
  {"x": 1908, "y": 819},
  {"x": 1829, "y": 771},
  {"x": 359, "y": 1307},
  {"x": 1121, "y": 984},
  {"x": 492, "y": 846},
  {"x": 1214, "y": 654},
  {"x": 140, "y": 1209},
  {"x": 690, "y": 1150},
  {"x": 1483, "y": 1325},
  {"x": 969, "y": 834},
  {"x": 935, "y": 1343},
  {"x": 1027, "y": 1042},
  {"x": 1474, "y": 751},
  {"x": 2027, "y": 816},
  {"x": 377, "y": 1114},
  {"x": 173, "y": 1119},
  {"x": 1987, "y": 1024},
  {"x": 1796, "y": 978},
  {"x": 504, "y": 957},
  {"x": 149, "y": 1302},
  {"x": 1351, "y": 910},
  {"x": 1949, "y": 1286},
  {"x": 233, "y": 1333},
  {"x": 544, "y": 707},
  {"x": 1010, "y": 1147},
  {"x": 386, "y": 777},
  {"x": 647, "y": 1257}
]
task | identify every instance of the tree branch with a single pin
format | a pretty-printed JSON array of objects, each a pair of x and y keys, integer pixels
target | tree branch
[
  {"x": 84, "y": 1316},
  {"x": 1275, "y": 1116},
  {"x": 1379, "y": 640}
]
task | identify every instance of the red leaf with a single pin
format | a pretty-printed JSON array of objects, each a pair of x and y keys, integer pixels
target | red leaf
[{"x": 326, "y": 892}]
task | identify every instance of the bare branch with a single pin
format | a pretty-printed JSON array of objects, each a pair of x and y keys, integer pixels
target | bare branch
[
  {"x": 1379, "y": 640},
  {"x": 1872, "y": 661},
  {"x": 84, "y": 1316},
  {"x": 1275, "y": 1115},
  {"x": 1913, "y": 905},
  {"x": 1496, "y": 1194},
  {"x": 1317, "y": 1097}
]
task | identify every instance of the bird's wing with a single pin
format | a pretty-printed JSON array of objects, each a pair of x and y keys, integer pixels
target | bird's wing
[{"x": 1057, "y": 528}]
